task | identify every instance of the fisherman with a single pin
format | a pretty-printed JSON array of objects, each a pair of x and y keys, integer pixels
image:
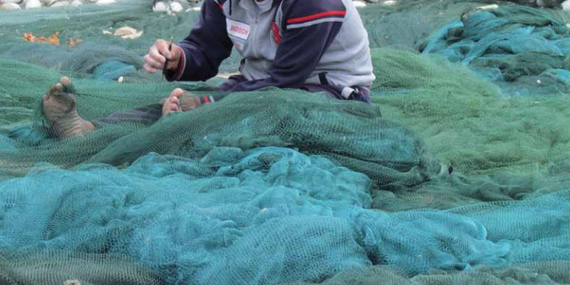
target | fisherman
[{"x": 312, "y": 45}]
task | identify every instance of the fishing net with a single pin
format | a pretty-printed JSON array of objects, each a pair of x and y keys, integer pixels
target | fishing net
[
  {"x": 510, "y": 44},
  {"x": 459, "y": 172}
]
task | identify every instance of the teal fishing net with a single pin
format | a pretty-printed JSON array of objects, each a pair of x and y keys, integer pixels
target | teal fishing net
[
  {"x": 510, "y": 44},
  {"x": 450, "y": 177}
]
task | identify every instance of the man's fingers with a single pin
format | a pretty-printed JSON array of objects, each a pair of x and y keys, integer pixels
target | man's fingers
[
  {"x": 152, "y": 63},
  {"x": 156, "y": 56},
  {"x": 149, "y": 69},
  {"x": 162, "y": 47}
]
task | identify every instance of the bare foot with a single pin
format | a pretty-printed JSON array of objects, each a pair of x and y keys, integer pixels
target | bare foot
[
  {"x": 179, "y": 101},
  {"x": 59, "y": 108}
]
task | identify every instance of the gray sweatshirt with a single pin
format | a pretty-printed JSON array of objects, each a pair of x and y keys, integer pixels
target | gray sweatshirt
[{"x": 284, "y": 43}]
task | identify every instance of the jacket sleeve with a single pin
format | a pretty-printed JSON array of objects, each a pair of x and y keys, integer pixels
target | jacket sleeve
[
  {"x": 205, "y": 48},
  {"x": 309, "y": 27}
]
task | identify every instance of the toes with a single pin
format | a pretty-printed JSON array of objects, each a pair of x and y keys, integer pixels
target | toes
[
  {"x": 173, "y": 107},
  {"x": 65, "y": 81},
  {"x": 54, "y": 89},
  {"x": 57, "y": 89},
  {"x": 69, "y": 89},
  {"x": 170, "y": 108},
  {"x": 177, "y": 92},
  {"x": 67, "y": 85},
  {"x": 63, "y": 86},
  {"x": 58, "y": 100}
]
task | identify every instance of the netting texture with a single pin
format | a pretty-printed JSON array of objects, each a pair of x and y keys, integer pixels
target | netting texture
[{"x": 458, "y": 173}]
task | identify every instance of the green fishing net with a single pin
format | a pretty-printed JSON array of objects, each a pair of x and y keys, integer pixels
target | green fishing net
[{"x": 458, "y": 173}]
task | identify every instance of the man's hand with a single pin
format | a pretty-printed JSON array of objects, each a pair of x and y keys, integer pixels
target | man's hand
[
  {"x": 158, "y": 54},
  {"x": 179, "y": 101}
]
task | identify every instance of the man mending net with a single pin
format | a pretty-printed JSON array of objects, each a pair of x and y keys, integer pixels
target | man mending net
[{"x": 287, "y": 44}]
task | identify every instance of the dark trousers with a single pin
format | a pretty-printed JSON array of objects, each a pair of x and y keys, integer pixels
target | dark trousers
[
  {"x": 360, "y": 94},
  {"x": 148, "y": 115}
]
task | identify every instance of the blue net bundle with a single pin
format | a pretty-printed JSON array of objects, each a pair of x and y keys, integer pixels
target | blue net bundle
[{"x": 525, "y": 47}]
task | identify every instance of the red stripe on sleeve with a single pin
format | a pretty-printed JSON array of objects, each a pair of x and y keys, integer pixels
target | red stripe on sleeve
[{"x": 316, "y": 16}]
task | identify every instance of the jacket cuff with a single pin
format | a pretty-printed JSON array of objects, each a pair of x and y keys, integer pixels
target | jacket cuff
[
  {"x": 210, "y": 99},
  {"x": 176, "y": 75}
]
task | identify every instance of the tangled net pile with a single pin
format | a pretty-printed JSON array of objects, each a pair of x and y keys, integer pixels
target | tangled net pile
[{"x": 459, "y": 173}]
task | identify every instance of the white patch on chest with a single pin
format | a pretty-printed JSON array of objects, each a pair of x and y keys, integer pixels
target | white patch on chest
[{"x": 237, "y": 29}]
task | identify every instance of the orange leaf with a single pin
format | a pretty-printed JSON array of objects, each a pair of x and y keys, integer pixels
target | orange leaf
[
  {"x": 29, "y": 37},
  {"x": 54, "y": 39}
]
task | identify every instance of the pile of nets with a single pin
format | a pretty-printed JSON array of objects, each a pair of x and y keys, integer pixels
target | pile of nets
[
  {"x": 443, "y": 180},
  {"x": 510, "y": 43},
  {"x": 265, "y": 216},
  {"x": 411, "y": 22},
  {"x": 466, "y": 121}
]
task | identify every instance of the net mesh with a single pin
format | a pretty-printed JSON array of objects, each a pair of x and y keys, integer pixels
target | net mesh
[{"x": 457, "y": 174}]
